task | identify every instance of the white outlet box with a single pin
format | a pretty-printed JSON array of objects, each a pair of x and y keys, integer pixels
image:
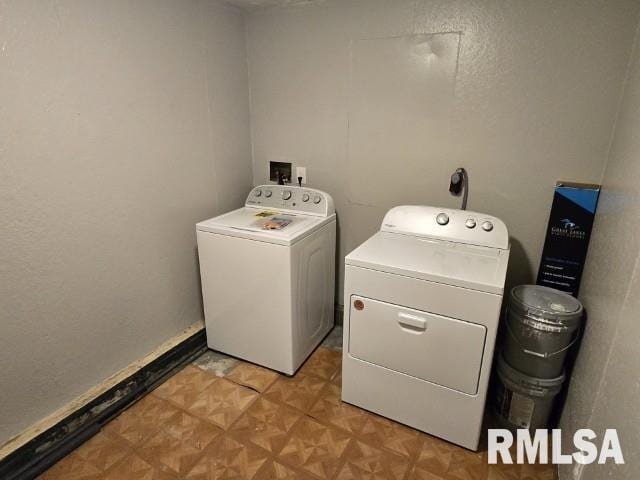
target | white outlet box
[{"x": 300, "y": 172}]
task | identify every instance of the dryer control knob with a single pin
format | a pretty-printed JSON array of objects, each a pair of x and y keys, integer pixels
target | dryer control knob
[
  {"x": 267, "y": 193},
  {"x": 317, "y": 199},
  {"x": 470, "y": 223},
  {"x": 258, "y": 193},
  {"x": 442, "y": 219},
  {"x": 286, "y": 195},
  {"x": 487, "y": 226},
  {"x": 305, "y": 197}
]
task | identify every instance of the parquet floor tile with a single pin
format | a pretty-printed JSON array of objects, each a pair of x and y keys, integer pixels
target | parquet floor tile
[
  {"x": 315, "y": 448},
  {"x": 246, "y": 422},
  {"x": 467, "y": 465},
  {"x": 191, "y": 430},
  {"x": 229, "y": 459},
  {"x": 252, "y": 376},
  {"x": 362, "y": 461},
  {"x": 323, "y": 363},
  {"x": 435, "y": 456},
  {"x": 266, "y": 424},
  {"x": 102, "y": 451},
  {"x": 391, "y": 436},
  {"x": 170, "y": 452},
  {"x": 274, "y": 470},
  {"x": 185, "y": 386},
  {"x": 73, "y": 467},
  {"x": 504, "y": 472},
  {"x": 537, "y": 472},
  {"x": 221, "y": 403},
  {"x": 134, "y": 467},
  {"x": 152, "y": 408},
  {"x": 132, "y": 428},
  {"x": 329, "y": 408},
  {"x": 300, "y": 391}
]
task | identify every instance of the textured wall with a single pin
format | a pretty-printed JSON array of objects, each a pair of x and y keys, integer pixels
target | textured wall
[
  {"x": 605, "y": 388},
  {"x": 122, "y": 124},
  {"x": 534, "y": 97}
]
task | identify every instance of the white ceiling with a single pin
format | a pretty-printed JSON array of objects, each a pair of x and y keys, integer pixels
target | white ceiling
[{"x": 256, "y": 4}]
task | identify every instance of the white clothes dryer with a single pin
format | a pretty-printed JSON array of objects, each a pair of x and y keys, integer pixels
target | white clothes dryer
[{"x": 422, "y": 306}]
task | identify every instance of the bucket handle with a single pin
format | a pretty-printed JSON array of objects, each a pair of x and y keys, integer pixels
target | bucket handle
[{"x": 538, "y": 354}]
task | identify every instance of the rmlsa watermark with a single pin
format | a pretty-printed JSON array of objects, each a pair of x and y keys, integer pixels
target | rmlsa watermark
[{"x": 536, "y": 448}]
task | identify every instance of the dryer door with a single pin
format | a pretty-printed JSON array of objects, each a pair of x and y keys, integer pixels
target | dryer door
[{"x": 431, "y": 347}]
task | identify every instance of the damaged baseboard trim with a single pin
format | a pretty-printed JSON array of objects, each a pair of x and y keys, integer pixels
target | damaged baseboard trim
[{"x": 37, "y": 455}]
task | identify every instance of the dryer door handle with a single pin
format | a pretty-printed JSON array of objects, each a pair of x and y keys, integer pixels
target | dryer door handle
[{"x": 412, "y": 321}]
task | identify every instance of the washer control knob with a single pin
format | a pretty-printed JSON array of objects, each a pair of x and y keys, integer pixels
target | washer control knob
[
  {"x": 305, "y": 197},
  {"x": 267, "y": 193},
  {"x": 286, "y": 195},
  {"x": 470, "y": 223},
  {"x": 317, "y": 199},
  {"x": 442, "y": 219},
  {"x": 258, "y": 193},
  {"x": 487, "y": 226}
]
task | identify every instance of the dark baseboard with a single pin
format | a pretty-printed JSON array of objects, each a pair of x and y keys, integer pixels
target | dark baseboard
[{"x": 40, "y": 453}]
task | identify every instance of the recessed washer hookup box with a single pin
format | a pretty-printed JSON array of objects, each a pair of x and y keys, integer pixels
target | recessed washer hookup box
[{"x": 568, "y": 232}]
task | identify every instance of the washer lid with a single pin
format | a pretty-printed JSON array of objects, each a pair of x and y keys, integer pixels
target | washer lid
[
  {"x": 265, "y": 225},
  {"x": 458, "y": 264}
]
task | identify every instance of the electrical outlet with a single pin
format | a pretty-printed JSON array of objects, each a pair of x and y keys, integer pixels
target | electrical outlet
[{"x": 301, "y": 172}]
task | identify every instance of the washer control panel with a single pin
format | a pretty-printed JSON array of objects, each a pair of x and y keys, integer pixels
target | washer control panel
[
  {"x": 461, "y": 226},
  {"x": 291, "y": 198}
]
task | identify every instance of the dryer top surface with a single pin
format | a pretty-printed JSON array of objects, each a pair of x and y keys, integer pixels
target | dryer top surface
[{"x": 457, "y": 264}]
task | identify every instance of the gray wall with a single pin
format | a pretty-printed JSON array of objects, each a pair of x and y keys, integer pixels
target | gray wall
[
  {"x": 605, "y": 388},
  {"x": 122, "y": 124},
  {"x": 531, "y": 99}
]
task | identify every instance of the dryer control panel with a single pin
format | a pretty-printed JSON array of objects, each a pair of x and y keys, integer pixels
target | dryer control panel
[
  {"x": 460, "y": 226},
  {"x": 291, "y": 198}
]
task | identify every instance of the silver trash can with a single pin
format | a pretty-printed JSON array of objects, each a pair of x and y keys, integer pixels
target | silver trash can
[
  {"x": 522, "y": 401},
  {"x": 542, "y": 324}
]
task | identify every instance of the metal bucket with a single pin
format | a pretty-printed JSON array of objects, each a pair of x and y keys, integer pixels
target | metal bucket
[
  {"x": 522, "y": 401},
  {"x": 542, "y": 324}
]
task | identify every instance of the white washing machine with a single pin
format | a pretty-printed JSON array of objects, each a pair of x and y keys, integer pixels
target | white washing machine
[
  {"x": 268, "y": 276},
  {"x": 424, "y": 297}
]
